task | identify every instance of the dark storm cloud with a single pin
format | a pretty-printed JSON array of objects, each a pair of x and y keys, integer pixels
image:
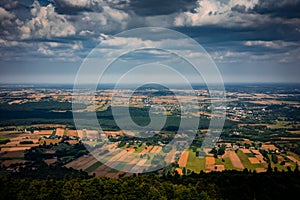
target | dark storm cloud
[
  {"x": 160, "y": 7},
  {"x": 282, "y": 8},
  {"x": 21, "y": 9},
  {"x": 72, "y": 8},
  {"x": 8, "y": 4},
  {"x": 242, "y": 37},
  {"x": 12, "y": 4},
  {"x": 239, "y": 8},
  {"x": 215, "y": 34}
]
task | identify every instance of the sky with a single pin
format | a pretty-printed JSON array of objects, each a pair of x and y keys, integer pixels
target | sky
[{"x": 249, "y": 40}]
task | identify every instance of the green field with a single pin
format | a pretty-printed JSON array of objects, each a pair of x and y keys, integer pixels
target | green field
[
  {"x": 244, "y": 158},
  {"x": 194, "y": 163},
  {"x": 227, "y": 163},
  {"x": 93, "y": 167},
  {"x": 121, "y": 165},
  {"x": 282, "y": 167}
]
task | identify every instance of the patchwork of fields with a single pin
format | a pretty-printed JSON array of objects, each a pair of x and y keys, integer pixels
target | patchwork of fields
[
  {"x": 131, "y": 159},
  {"x": 235, "y": 160}
]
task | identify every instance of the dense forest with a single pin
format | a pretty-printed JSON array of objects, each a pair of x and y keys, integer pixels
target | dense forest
[{"x": 225, "y": 185}]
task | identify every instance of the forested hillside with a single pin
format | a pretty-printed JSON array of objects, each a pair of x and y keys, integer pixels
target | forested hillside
[{"x": 226, "y": 185}]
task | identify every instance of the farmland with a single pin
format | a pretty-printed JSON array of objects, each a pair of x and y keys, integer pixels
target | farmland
[
  {"x": 12, "y": 154},
  {"x": 195, "y": 163},
  {"x": 260, "y": 130}
]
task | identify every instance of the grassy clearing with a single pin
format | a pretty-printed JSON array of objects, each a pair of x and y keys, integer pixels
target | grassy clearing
[
  {"x": 195, "y": 163},
  {"x": 226, "y": 162},
  {"x": 244, "y": 159},
  {"x": 93, "y": 167}
]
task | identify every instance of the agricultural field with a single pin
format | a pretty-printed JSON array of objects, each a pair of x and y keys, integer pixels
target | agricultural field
[
  {"x": 183, "y": 159},
  {"x": 260, "y": 129},
  {"x": 195, "y": 163},
  {"x": 246, "y": 161},
  {"x": 16, "y": 143}
]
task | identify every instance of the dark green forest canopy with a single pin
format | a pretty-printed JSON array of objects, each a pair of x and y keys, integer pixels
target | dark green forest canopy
[{"x": 226, "y": 185}]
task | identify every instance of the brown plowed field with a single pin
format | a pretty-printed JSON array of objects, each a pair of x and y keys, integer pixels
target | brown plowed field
[
  {"x": 253, "y": 160},
  {"x": 209, "y": 160},
  {"x": 183, "y": 159},
  {"x": 235, "y": 160}
]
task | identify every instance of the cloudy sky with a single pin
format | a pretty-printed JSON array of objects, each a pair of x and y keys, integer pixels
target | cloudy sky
[{"x": 249, "y": 40}]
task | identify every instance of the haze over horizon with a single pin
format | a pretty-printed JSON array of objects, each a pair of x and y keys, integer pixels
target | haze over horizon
[{"x": 45, "y": 41}]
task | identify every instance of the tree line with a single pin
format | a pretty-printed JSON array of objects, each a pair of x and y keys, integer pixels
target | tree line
[{"x": 215, "y": 185}]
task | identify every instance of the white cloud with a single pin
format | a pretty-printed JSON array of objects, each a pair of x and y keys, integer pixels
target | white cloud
[
  {"x": 278, "y": 44},
  {"x": 58, "y": 51},
  {"x": 90, "y": 4},
  {"x": 216, "y": 12},
  {"x": 115, "y": 15},
  {"x": 77, "y": 45},
  {"x": 78, "y": 3},
  {"x": 86, "y": 32},
  {"x": 229, "y": 56},
  {"x": 45, "y": 51},
  {"x": 7, "y": 43},
  {"x": 127, "y": 42},
  {"x": 107, "y": 21},
  {"x": 290, "y": 56},
  {"x": 4, "y": 14},
  {"x": 53, "y": 44},
  {"x": 46, "y": 23},
  {"x": 43, "y": 22},
  {"x": 6, "y": 17},
  {"x": 103, "y": 36}
]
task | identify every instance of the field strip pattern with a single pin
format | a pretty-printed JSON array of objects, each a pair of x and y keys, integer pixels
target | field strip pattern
[
  {"x": 183, "y": 159},
  {"x": 235, "y": 160},
  {"x": 258, "y": 155}
]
